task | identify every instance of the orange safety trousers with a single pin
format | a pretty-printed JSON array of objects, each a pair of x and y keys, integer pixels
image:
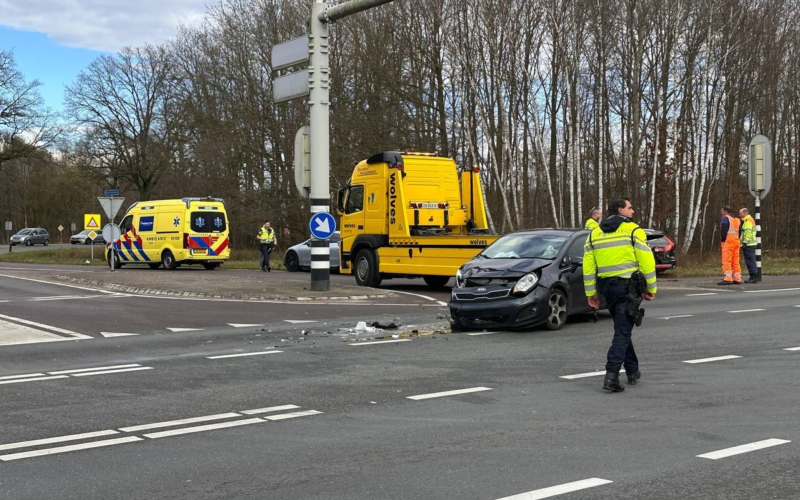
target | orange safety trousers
[{"x": 731, "y": 270}]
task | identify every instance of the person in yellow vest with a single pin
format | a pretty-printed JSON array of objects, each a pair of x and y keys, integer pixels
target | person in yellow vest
[
  {"x": 729, "y": 234},
  {"x": 748, "y": 240},
  {"x": 266, "y": 242},
  {"x": 614, "y": 255},
  {"x": 594, "y": 218}
]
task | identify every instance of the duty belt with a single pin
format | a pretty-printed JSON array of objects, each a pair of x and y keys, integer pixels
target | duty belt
[{"x": 614, "y": 281}]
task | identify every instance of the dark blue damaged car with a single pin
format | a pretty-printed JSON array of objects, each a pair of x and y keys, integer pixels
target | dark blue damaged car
[{"x": 522, "y": 280}]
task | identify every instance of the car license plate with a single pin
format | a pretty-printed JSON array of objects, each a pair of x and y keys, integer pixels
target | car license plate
[{"x": 200, "y": 251}]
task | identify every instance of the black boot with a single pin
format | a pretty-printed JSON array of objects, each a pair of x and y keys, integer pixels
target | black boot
[
  {"x": 632, "y": 378},
  {"x": 752, "y": 279},
  {"x": 612, "y": 383}
]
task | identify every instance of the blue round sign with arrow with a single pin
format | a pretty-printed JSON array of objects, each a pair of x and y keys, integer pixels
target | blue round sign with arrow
[{"x": 322, "y": 225}]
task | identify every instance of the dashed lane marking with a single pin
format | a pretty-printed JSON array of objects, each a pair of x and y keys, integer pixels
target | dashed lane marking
[
  {"x": 10, "y": 377},
  {"x": 58, "y": 439},
  {"x": 679, "y": 316},
  {"x": 224, "y": 356},
  {"x": 202, "y": 428},
  {"x": 112, "y": 334},
  {"x": 736, "y": 450},
  {"x": 589, "y": 374},
  {"x": 271, "y": 409},
  {"x": 746, "y": 311},
  {"x": 175, "y": 423},
  {"x": 35, "y": 379},
  {"x": 78, "y": 372},
  {"x": 108, "y": 372},
  {"x": 74, "y": 447},
  {"x": 382, "y": 342},
  {"x": 298, "y": 321},
  {"x": 244, "y": 325},
  {"x": 184, "y": 329},
  {"x": 708, "y": 360},
  {"x": 99, "y": 368},
  {"x": 481, "y": 333},
  {"x": 792, "y": 349},
  {"x": 284, "y": 416},
  {"x": 774, "y": 290},
  {"x": 559, "y": 490},
  {"x": 700, "y": 294},
  {"x": 448, "y": 393}
]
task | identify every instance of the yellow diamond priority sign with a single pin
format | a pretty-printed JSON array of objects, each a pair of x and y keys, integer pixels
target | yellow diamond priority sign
[
  {"x": 93, "y": 235},
  {"x": 91, "y": 221}
]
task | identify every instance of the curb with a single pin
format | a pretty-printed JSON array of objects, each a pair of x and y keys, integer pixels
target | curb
[{"x": 168, "y": 293}]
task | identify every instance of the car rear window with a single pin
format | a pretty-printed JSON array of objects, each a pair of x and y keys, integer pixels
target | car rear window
[
  {"x": 658, "y": 241},
  {"x": 208, "y": 222}
]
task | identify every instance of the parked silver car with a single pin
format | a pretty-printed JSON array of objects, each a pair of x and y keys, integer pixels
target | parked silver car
[
  {"x": 31, "y": 236},
  {"x": 83, "y": 237},
  {"x": 299, "y": 256}
]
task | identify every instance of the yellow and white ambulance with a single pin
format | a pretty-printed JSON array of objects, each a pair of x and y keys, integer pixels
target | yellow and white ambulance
[{"x": 168, "y": 233}]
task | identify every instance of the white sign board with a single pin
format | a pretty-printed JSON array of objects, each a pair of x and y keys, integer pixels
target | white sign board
[
  {"x": 60, "y": 228},
  {"x": 110, "y": 205},
  {"x": 9, "y": 226},
  {"x": 759, "y": 166},
  {"x": 290, "y": 53},
  {"x": 302, "y": 160},
  {"x": 291, "y": 86},
  {"x": 111, "y": 233}
]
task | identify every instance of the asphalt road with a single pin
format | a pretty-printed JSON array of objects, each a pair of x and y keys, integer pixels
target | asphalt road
[{"x": 229, "y": 409}]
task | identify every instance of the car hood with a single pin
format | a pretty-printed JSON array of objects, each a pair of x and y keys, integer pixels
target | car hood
[{"x": 502, "y": 268}]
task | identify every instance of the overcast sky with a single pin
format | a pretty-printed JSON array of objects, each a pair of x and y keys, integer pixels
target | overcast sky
[{"x": 53, "y": 40}]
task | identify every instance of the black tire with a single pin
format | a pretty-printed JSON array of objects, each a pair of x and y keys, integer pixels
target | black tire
[
  {"x": 211, "y": 265},
  {"x": 168, "y": 261},
  {"x": 28, "y": 243},
  {"x": 366, "y": 269},
  {"x": 117, "y": 263},
  {"x": 436, "y": 281},
  {"x": 292, "y": 262},
  {"x": 154, "y": 265},
  {"x": 558, "y": 305},
  {"x": 46, "y": 242},
  {"x": 88, "y": 241}
]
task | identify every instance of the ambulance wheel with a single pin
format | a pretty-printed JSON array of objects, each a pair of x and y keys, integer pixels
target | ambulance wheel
[
  {"x": 367, "y": 269},
  {"x": 211, "y": 265},
  {"x": 291, "y": 262},
  {"x": 117, "y": 263},
  {"x": 168, "y": 261},
  {"x": 154, "y": 265},
  {"x": 436, "y": 281}
]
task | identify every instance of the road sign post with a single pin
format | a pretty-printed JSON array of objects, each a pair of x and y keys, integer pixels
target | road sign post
[
  {"x": 61, "y": 236},
  {"x": 111, "y": 206},
  {"x": 759, "y": 180},
  {"x": 9, "y": 227}
]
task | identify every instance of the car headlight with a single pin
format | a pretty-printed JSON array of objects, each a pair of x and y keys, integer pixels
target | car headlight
[
  {"x": 526, "y": 284},
  {"x": 459, "y": 279}
]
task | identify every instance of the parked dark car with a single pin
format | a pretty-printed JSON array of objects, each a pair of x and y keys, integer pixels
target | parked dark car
[
  {"x": 522, "y": 280},
  {"x": 663, "y": 249},
  {"x": 31, "y": 236},
  {"x": 83, "y": 238}
]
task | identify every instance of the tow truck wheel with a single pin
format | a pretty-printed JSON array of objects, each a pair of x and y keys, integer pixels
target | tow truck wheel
[
  {"x": 436, "y": 281},
  {"x": 367, "y": 269}
]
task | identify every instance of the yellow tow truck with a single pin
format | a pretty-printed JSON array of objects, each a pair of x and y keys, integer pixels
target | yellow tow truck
[{"x": 410, "y": 215}]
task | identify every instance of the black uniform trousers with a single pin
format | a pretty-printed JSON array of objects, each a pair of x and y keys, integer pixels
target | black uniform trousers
[
  {"x": 266, "y": 249},
  {"x": 750, "y": 260},
  {"x": 621, "y": 350}
]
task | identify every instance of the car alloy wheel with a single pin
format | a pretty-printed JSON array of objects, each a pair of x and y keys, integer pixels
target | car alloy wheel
[
  {"x": 292, "y": 262},
  {"x": 557, "y": 303}
]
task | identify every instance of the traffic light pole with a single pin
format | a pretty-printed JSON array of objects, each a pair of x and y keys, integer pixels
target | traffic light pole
[{"x": 319, "y": 104}]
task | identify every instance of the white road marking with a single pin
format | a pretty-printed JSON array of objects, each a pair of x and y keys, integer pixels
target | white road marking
[
  {"x": 746, "y": 311},
  {"x": 203, "y": 428},
  {"x": 559, "y": 490},
  {"x": 184, "y": 329},
  {"x": 73, "y": 297},
  {"x": 297, "y": 321},
  {"x": 679, "y": 316},
  {"x": 482, "y": 333},
  {"x": 11, "y": 377},
  {"x": 700, "y": 294},
  {"x": 107, "y": 372},
  {"x": 297, "y": 414},
  {"x": 774, "y": 290},
  {"x": 441, "y": 303},
  {"x": 736, "y": 450},
  {"x": 708, "y": 360},
  {"x": 416, "y": 295},
  {"x": 244, "y": 325},
  {"x": 46, "y": 327},
  {"x": 32, "y": 379},
  {"x": 243, "y": 354},
  {"x": 792, "y": 349},
  {"x": 81, "y": 370},
  {"x": 269, "y": 410},
  {"x": 584, "y": 375},
  {"x": 74, "y": 447},
  {"x": 173, "y": 423},
  {"x": 59, "y": 439},
  {"x": 448, "y": 393},
  {"x": 112, "y": 334},
  {"x": 54, "y": 283},
  {"x": 381, "y": 342}
]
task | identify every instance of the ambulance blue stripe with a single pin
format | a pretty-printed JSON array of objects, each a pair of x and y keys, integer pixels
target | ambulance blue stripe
[
  {"x": 120, "y": 253},
  {"x": 141, "y": 251},
  {"x": 130, "y": 251}
]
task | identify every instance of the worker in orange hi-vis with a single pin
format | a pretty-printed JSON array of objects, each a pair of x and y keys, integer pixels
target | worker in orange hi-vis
[{"x": 729, "y": 234}]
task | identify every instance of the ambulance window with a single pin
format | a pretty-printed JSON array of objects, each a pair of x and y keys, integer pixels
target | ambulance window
[
  {"x": 355, "y": 202},
  {"x": 127, "y": 222},
  {"x": 208, "y": 222}
]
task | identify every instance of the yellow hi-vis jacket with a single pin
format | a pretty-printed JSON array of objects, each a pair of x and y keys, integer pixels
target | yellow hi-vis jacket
[
  {"x": 748, "y": 231},
  {"x": 617, "y": 255},
  {"x": 266, "y": 235},
  {"x": 591, "y": 224}
]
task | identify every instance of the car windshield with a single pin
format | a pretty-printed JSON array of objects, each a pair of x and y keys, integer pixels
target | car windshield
[
  {"x": 525, "y": 246},
  {"x": 25, "y": 231}
]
